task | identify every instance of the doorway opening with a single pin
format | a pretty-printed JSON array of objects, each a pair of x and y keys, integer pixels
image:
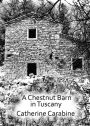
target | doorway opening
[{"x": 31, "y": 68}]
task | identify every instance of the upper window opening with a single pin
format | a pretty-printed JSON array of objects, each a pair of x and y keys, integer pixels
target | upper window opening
[
  {"x": 32, "y": 33},
  {"x": 77, "y": 64}
]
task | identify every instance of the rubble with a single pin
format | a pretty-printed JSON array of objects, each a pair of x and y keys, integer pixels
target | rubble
[{"x": 10, "y": 93}]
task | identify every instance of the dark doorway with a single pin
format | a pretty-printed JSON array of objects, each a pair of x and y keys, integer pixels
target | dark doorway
[{"x": 31, "y": 68}]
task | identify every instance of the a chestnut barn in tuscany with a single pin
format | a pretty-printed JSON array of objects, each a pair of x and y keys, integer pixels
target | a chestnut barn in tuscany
[{"x": 37, "y": 46}]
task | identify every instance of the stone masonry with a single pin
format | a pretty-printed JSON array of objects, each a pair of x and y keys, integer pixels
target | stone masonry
[{"x": 19, "y": 50}]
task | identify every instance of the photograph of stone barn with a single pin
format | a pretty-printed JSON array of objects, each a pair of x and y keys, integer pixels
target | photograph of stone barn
[
  {"x": 45, "y": 53},
  {"x": 38, "y": 47}
]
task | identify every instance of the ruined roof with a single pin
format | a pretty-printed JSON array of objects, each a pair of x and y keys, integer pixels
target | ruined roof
[{"x": 33, "y": 16}]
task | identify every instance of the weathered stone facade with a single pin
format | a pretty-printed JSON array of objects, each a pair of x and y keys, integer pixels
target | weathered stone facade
[{"x": 48, "y": 50}]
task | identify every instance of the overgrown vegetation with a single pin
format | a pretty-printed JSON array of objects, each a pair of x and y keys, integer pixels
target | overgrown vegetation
[
  {"x": 15, "y": 9},
  {"x": 80, "y": 26},
  {"x": 11, "y": 97}
]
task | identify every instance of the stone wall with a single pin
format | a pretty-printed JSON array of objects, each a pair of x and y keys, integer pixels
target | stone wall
[{"x": 22, "y": 51}]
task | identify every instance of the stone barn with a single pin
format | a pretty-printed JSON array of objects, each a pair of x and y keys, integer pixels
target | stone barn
[{"x": 37, "y": 46}]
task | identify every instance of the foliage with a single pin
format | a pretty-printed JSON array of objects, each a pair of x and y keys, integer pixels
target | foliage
[
  {"x": 80, "y": 20},
  {"x": 12, "y": 96},
  {"x": 27, "y": 7},
  {"x": 63, "y": 16}
]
